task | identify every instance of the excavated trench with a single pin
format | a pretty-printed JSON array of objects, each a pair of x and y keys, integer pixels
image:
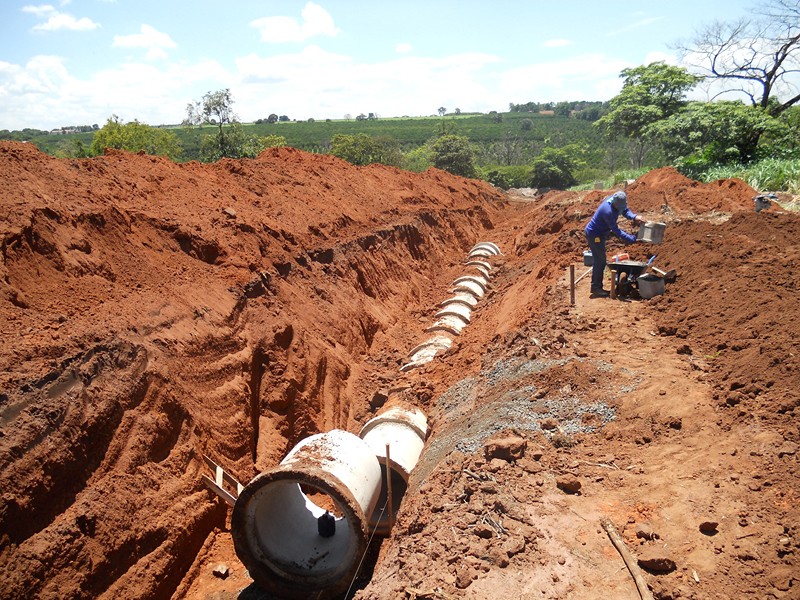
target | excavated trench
[{"x": 156, "y": 330}]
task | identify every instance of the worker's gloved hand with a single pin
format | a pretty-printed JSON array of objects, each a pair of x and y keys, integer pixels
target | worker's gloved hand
[{"x": 637, "y": 220}]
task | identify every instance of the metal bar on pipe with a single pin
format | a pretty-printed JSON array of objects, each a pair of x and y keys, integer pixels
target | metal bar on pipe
[{"x": 389, "y": 489}]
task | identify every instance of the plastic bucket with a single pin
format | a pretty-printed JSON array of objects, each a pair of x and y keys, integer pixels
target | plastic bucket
[
  {"x": 652, "y": 233},
  {"x": 650, "y": 285},
  {"x": 588, "y": 259}
]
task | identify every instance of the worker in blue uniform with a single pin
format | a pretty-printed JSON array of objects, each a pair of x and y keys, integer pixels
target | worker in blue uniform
[{"x": 604, "y": 222}]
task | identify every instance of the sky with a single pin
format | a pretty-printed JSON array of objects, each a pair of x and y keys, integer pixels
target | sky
[{"x": 78, "y": 62}]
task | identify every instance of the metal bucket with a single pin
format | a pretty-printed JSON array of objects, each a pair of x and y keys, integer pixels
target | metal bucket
[
  {"x": 652, "y": 233},
  {"x": 650, "y": 285},
  {"x": 761, "y": 202}
]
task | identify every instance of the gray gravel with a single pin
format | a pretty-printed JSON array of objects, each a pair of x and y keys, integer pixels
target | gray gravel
[{"x": 503, "y": 396}]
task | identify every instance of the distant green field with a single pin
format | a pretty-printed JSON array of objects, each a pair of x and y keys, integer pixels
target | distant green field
[{"x": 552, "y": 131}]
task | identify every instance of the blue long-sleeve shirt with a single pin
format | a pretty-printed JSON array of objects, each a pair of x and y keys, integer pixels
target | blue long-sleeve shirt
[{"x": 604, "y": 221}]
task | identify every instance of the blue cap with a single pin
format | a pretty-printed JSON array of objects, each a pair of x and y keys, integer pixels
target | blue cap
[{"x": 619, "y": 201}]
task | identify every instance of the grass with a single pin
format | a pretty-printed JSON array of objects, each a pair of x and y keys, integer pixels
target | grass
[{"x": 767, "y": 175}]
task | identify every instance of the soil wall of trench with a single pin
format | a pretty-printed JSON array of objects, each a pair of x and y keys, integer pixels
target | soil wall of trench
[{"x": 153, "y": 312}]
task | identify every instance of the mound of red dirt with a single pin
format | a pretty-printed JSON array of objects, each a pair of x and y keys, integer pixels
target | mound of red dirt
[
  {"x": 666, "y": 189},
  {"x": 737, "y": 298}
]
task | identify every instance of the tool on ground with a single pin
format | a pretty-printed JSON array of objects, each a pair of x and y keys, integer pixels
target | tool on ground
[{"x": 669, "y": 276}]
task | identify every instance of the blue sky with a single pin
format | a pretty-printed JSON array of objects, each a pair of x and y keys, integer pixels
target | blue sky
[{"x": 75, "y": 62}]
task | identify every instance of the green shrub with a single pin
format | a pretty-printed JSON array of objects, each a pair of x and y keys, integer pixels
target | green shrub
[{"x": 507, "y": 177}]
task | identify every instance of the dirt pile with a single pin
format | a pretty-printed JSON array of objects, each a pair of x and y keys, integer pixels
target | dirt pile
[
  {"x": 666, "y": 190},
  {"x": 153, "y": 312}
]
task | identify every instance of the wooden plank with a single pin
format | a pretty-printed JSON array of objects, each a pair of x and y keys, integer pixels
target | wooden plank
[
  {"x": 221, "y": 477},
  {"x": 219, "y": 491}
]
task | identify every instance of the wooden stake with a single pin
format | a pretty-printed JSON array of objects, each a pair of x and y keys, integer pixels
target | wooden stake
[
  {"x": 572, "y": 285},
  {"x": 630, "y": 562},
  {"x": 389, "y": 490}
]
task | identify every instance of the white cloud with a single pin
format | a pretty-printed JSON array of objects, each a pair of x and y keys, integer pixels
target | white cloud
[
  {"x": 41, "y": 10},
  {"x": 149, "y": 39},
  {"x": 57, "y": 21},
  {"x": 586, "y": 77},
  {"x": 42, "y": 93},
  {"x": 319, "y": 84},
  {"x": 403, "y": 48},
  {"x": 557, "y": 43},
  {"x": 315, "y": 21},
  {"x": 310, "y": 83}
]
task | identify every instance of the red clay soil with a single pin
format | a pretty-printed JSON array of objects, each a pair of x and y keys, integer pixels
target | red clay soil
[{"x": 153, "y": 312}]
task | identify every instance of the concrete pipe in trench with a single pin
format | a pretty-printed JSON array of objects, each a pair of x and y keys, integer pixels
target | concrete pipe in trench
[
  {"x": 274, "y": 525},
  {"x": 404, "y": 429}
]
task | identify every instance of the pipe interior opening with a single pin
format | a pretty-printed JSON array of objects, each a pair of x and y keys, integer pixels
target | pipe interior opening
[
  {"x": 287, "y": 530},
  {"x": 399, "y": 487}
]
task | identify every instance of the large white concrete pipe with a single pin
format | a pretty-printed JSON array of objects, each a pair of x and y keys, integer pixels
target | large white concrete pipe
[
  {"x": 275, "y": 526},
  {"x": 404, "y": 429}
]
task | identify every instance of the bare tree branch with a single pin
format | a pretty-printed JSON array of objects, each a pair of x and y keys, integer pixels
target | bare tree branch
[{"x": 759, "y": 53}]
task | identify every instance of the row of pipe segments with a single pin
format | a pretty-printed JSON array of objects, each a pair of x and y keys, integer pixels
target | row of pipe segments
[
  {"x": 303, "y": 527},
  {"x": 455, "y": 312}
]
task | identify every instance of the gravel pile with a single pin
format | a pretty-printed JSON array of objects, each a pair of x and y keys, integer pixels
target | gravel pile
[{"x": 499, "y": 398}]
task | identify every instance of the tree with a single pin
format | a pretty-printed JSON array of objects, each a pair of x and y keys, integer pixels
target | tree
[
  {"x": 73, "y": 148},
  {"x": 649, "y": 94},
  {"x": 453, "y": 153},
  {"x": 526, "y": 124},
  {"x": 135, "y": 137},
  {"x": 554, "y": 167},
  {"x": 713, "y": 133},
  {"x": 230, "y": 140},
  {"x": 442, "y": 111},
  {"x": 507, "y": 151},
  {"x": 216, "y": 108},
  {"x": 758, "y": 56},
  {"x": 238, "y": 144},
  {"x": 563, "y": 109},
  {"x": 362, "y": 149}
]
